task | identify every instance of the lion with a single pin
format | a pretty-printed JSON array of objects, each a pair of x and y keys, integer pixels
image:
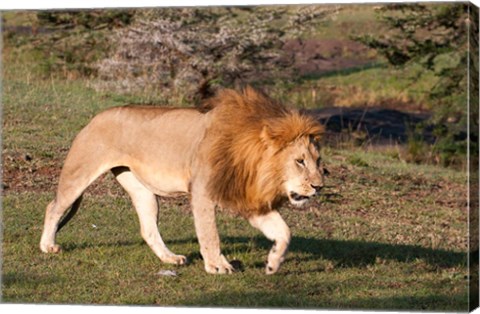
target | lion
[{"x": 242, "y": 152}]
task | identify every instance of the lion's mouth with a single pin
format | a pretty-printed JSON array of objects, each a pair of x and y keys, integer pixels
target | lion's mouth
[{"x": 298, "y": 197}]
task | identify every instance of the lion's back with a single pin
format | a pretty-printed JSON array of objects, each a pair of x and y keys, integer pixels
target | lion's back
[
  {"x": 158, "y": 144},
  {"x": 138, "y": 127}
]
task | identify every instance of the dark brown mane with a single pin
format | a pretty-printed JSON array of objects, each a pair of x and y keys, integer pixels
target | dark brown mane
[{"x": 248, "y": 129}]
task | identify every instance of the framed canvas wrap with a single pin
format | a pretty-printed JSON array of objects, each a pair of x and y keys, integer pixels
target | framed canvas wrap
[{"x": 286, "y": 156}]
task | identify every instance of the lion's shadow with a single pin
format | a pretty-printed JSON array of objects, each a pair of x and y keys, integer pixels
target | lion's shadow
[
  {"x": 343, "y": 253},
  {"x": 348, "y": 253}
]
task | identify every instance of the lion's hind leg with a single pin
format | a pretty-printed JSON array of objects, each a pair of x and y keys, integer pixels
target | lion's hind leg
[
  {"x": 55, "y": 210},
  {"x": 74, "y": 179},
  {"x": 274, "y": 228},
  {"x": 56, "y": 216},
  {"x": 145, "y": 203}
]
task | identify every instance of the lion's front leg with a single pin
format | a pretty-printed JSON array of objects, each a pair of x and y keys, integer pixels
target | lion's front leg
[
  {"x": 208, "y": 238},
  {"x": 274, "y": 228}
]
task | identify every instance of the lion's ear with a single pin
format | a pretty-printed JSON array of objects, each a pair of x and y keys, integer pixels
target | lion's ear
[
  {"x": 270, "y": 137},
  {"x": 316, "y": 137}
]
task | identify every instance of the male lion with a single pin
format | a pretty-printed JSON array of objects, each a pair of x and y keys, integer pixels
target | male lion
[{"x": 244, "y": 152}]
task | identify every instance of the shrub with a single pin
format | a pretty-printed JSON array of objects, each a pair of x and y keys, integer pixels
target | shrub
[
  {"x": 72, "y": 41},
  {"x": 436, "y": 37}
]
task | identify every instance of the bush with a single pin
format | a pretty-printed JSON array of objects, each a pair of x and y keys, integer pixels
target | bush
[
  {"x": 72, "y": 41},
  {"x": 436, "y": 37}
]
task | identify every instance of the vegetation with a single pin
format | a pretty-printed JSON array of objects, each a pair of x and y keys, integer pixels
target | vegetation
[{"x": 436, "y": 38}]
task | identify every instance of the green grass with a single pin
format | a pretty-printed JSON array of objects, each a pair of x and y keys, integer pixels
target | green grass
[
  {"x": 385, "y": 234},
  {"x": 372, "y": 85},
  {"x": 339, "y": 258}
]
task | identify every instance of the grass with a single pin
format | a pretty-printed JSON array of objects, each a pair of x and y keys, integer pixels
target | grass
[
  {"x": 385, "y": 234},
  {"x": 371, "y": 85}
]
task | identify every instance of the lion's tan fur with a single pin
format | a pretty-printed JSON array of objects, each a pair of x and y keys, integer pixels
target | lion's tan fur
[{"x": 250, "y": 130}]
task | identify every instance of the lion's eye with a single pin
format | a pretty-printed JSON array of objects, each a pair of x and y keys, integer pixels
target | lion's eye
[{"x": 300, "y": 162}]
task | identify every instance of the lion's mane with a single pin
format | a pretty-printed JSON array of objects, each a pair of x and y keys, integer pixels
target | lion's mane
[{"x": 248, "y": 133}]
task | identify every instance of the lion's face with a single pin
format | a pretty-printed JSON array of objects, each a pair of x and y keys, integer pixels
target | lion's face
[{"x": 303, "y": 173}]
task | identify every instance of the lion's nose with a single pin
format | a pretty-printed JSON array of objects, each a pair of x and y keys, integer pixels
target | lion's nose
[{"x": 317, "y": 187}]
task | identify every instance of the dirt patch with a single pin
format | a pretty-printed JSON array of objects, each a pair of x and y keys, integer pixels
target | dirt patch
[
  {"x": 321, "y": 56},
  {"x": 23, "y": 172}
]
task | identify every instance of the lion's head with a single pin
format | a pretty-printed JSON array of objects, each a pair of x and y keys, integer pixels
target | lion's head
[
  {"x": 303, "y": 175},
  {"x": 261, "y": 152}
]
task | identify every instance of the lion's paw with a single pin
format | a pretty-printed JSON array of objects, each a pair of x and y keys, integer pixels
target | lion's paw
[
  {"x": 175, "y": 259},
  {"x": 221, "y": 266},
  {"x": 219, "y": 269},
  {"x": 51, "y": 248},
  {"x": 270, "y": 270},
  {"x": 272, "y": 266}
]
